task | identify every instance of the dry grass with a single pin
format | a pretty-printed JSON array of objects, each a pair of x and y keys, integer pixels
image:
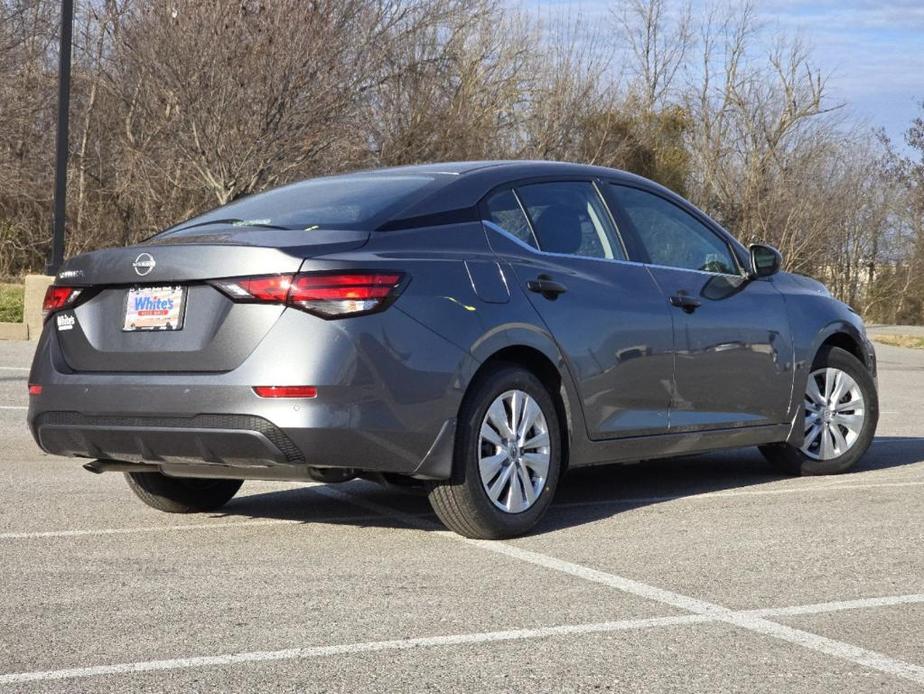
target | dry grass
[
  {"x": 900, "y": 340},
  {"x": 11, "y": 298}
]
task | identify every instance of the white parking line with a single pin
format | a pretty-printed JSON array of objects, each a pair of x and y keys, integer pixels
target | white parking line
[
  {"x": 364, "y": 647},
  {"x": 13, "y": 407},
  {"x": 14, "y": 368},
  {"x": 460, "y": 640},
  {"x": 744, "y": 620},
  {"x": 837, "y": 606},
  {"x": 897, "y": 477},
  {"x": 192, "y": 526},
  {"x": 831, "y": 486}
]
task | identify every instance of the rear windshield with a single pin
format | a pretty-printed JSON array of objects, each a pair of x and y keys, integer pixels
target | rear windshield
[{"x": 338, "y": 202}]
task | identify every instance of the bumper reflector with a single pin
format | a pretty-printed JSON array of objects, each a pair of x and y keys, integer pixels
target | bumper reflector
[
  {"x": 286, "y": 391},
  {"x": 35, "y": 389}
]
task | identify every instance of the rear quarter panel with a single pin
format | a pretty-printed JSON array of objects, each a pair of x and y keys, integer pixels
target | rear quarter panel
[{"x": 460, "y": 291}]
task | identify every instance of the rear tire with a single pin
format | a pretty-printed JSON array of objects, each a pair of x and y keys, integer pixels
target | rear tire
[
  {"x": 181, "y": 495},
  {"x": 522, "y": 467},
  {"x": 792, "y": 460}
]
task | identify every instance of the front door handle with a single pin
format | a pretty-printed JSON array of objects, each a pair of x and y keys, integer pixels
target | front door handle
[
  {"x": 546, "y": 286},
  {"x": 685, "y": 303}
]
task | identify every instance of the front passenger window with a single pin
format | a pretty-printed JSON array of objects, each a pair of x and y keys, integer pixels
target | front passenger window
[{"x": 673, "y": 237}]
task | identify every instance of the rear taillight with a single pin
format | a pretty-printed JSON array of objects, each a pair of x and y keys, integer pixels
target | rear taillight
[
  {"x": 58, "y": 298},
  {"x": 326, "y": 294},
  {"x": 343, "y": 294},
  {"x": 273, "y": 289}
]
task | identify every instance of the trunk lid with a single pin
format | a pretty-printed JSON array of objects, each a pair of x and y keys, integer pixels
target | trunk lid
[
  {"x": 208, "y": 255},
  {"x": 217, "y": 334}
]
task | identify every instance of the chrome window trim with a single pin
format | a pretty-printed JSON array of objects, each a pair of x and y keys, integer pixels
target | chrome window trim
[
  {"x": 685, "y": 269},
  {"x": 609, "y": 213},
  {"x": 602, "y": 200},
  {"x": 529, "y": 222},
  {"x": 500, "y": 230}
]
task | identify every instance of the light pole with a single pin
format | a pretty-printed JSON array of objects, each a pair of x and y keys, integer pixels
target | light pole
[{"x": 61, "y": 149}]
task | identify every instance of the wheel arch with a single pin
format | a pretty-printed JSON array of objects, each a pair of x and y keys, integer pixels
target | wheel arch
[
  {"x": 840, "y": 334},
  {"x": 541, "y": 365},
  {"x": 789, "y": 458},
  {"x": 846, "y": 337}
]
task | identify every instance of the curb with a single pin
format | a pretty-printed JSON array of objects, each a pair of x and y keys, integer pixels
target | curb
[{"x": 14, "y": 331}]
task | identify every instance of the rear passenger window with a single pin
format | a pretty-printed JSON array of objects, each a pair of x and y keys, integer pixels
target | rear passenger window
[
  {"x": 571, "y": 218},
  {"x": 505, "y": 212}
]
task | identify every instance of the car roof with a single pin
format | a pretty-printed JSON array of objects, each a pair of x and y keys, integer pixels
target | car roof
[
  {"x": 465, "y": 183},
  {"x": 515, "y": 168}
]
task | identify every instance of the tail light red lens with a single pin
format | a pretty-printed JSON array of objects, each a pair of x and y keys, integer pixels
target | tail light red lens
[
  {"x": 286, "y": 391},
  {"x": 58, "y": 298},
  {"x": 326, "y": 294},
  {"x": 271, "y": 289},
  {"x": 343, "y": 294}
]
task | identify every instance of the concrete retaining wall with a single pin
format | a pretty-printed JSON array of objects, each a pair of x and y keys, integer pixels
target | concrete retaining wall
[
  {"x": 32, "y": 304},
  {"x": 14, "y": 331},
  {"x": 31, "y": 327}
]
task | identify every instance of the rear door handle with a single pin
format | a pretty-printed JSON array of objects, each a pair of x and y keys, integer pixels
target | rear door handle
[
  {"x": 546, "y": 286},
  {"x": 685, "y": 303}
]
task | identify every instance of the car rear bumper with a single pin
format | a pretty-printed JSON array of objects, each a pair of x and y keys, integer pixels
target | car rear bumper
[
  {"x": 387, "y": 397},
  {"x": 222, "y": 440}
]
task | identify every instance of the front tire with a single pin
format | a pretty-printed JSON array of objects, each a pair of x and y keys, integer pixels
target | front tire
[
  {"x": 507, "y": 457},
  {"x": 841, "y": 409},
  {"x": 179, "y": 494}
]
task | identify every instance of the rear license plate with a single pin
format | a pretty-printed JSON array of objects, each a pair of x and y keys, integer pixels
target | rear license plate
[{"x": 154, "y": 308}]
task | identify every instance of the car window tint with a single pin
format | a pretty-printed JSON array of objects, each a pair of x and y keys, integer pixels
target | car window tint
[
  {"x": 333, "y": 202},
  {"x": 505, "y": 212},
  {"x": 570, "y": 217},
  {"x": 673, "y": 237}
]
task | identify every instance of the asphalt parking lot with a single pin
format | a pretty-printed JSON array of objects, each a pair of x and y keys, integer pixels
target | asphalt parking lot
[{"x": 707, "y": 573}]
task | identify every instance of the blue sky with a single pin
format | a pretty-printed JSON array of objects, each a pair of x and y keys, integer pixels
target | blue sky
[{"x": 873, "y": 51}]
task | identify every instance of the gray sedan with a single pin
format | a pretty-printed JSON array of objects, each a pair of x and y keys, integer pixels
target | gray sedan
[{"x": 476, "y": 328}]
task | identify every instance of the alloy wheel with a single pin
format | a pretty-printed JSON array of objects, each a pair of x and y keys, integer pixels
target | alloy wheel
[
  {"x": 513, "y": 450},
  {"x": 834, "y": 414}
]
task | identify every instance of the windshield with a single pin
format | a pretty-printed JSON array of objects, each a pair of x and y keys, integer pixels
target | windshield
[{"x": 337, "y": 202}]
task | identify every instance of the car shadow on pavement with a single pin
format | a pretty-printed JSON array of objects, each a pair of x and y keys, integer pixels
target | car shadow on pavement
[
  {"x": 890, "y": 452},
  {"x": 584, "y": 496}
]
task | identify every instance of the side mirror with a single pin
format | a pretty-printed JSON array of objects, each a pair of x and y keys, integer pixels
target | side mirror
[{"x": 765, "y": 260}]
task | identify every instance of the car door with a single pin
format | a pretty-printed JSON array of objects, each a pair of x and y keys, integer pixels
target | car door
[
  {"x": 607, "y": 315},
  {"x": 732, "y": 341}
]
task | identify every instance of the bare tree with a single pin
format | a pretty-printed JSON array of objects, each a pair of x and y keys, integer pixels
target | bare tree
[
  {"x": 756, "y": 125},
  {"x": 659, "y": 46},
  {"x": 276, "y": 93},
  {"x": 451, "y": 84},
  {"x": 179, "y": 105},
  {"x": 27, "y": 81}
]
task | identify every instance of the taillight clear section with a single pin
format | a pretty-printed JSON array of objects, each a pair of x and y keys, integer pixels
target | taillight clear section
[
  {"x": 58, "y": 298},
  {"x": 325, "y": 294},
  {"x": 340, "y": 295}
]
